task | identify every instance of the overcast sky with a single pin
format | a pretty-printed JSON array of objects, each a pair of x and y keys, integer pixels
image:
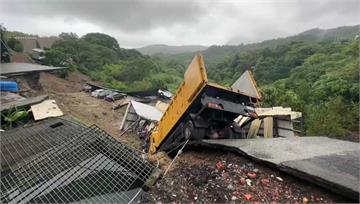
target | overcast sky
[{"x": 136, "y": 23}]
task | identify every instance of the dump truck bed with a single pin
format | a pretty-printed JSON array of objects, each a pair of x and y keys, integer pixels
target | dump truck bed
[{"x": 187, "y": 98}]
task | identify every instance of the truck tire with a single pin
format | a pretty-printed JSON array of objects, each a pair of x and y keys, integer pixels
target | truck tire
[
  {"x": 188, "y": 129},
  {"x": 192, "y": 132}
]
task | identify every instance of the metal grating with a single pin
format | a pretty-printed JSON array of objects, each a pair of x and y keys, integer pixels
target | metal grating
[
  {"x": 91, "y": 167},
  {"x": 21, "y": 144}
]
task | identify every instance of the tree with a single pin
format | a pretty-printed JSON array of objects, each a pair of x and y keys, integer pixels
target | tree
[
  {"x": 15, "y": 45},
  {"x": 68, "y": 36},
  {"x": 102, "y": 39}
]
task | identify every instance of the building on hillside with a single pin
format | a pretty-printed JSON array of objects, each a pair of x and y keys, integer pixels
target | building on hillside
[
  {"x": 34, "y": 46},
  {"x": 31, "y": 43}
]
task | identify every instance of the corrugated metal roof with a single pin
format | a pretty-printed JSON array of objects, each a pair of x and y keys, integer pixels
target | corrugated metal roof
[
  {"x": 146, "y": 111},
  {"x": 246, "y": 84}
]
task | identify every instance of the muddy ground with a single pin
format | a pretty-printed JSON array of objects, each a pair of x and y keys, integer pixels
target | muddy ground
[{"x": 207, "y": 176}]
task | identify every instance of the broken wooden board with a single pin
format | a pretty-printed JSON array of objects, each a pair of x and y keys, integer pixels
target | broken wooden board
[
  {"x": 330, "y": 163},
  {"x": 161, "y": 106},
  {"x": 46, "y": 109}
]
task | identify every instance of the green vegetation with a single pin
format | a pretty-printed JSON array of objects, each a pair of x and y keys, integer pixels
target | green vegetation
[
  {"x": 15, "y": 45},
  {"x": 100, "y": 56},
  {"x": 13, "y": 116}
]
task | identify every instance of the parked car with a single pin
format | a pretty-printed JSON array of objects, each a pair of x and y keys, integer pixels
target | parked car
[
  {"x": 96, "y": 92},
  {"x": 115, "y": 96},
  {"x": 164, "y": 94},
  {"x": 87, "y": 88},
  {"x": 104, "y": 93}
]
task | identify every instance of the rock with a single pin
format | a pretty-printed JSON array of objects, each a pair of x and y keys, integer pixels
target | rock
[
  {"x": 233, "y": 198},
  {"x": 230, "y": 187},
  {"x": 248, "y": 197},
  {"x": 251, "y": 175},
  {"x": 279, "y": 178},
  {"x": 248, "y": 182}
]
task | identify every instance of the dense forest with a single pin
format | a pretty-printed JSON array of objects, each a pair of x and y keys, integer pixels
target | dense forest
[
  {"x": 315, "y": 72},
  {"x": 100, "y": 56}
]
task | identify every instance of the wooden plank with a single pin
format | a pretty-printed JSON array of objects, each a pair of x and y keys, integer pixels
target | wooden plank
[
  {"x": 254, "y": 128},
  {"x": 268, "y": 127}
]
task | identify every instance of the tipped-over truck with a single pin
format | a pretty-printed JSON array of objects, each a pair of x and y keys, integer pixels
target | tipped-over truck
[{"x": 201, "y": 110}]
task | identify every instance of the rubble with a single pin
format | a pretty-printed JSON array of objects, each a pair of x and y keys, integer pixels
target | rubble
[{"x": 197, "y": 179}]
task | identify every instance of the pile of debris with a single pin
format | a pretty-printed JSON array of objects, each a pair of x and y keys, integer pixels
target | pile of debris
[{"x": 218, "y": 177}]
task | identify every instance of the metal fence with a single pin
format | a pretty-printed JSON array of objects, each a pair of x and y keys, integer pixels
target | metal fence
[{"x": 88, "y": 166}]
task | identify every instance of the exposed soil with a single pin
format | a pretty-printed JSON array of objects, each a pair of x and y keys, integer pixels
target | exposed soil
[
  {"x": 80, "y": 105},
  {"x": 196, "y": 177},
  {"x": 21, "y": 57}
]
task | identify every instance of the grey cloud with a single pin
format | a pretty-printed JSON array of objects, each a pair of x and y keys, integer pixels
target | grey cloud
[
  {"x": 126, "y": 15},
  {"x": 308, "y": 10},
  {"x": 176, "y": 22}
]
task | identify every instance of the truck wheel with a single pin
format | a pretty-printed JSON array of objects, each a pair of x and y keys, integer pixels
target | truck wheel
[{"x": 188, "y": 129}]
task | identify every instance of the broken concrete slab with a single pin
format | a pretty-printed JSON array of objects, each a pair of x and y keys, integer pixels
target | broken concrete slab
[
  {"x": 23, "y": 102},
  {"x": 331, "y": 163},
  {"x": 21, "y": 68}
]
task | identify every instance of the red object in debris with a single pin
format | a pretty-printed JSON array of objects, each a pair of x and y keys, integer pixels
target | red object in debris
[
  {"x": 219, "y": 166},
  {"x": 265, "y": 181},
  {"x": 251, "y": 175},
  {"x": 248, "y": 196},
  {"x": 242, "y": 181}
]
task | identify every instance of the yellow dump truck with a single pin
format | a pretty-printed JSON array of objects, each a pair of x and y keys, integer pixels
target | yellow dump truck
[{"x": 201, "y": 109}]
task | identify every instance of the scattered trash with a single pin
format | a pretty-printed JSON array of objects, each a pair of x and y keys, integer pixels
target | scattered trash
[
  {"x": 242, "y": 181},
  {"x": 248, "y": 182},
  {"x": 265, "y": 181},
  {"x": 279, "y": 178},
  {"x": 219, "y": 166},
  {"x": 247, "y": 197},
  {"x": 251, "y": 175}
]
